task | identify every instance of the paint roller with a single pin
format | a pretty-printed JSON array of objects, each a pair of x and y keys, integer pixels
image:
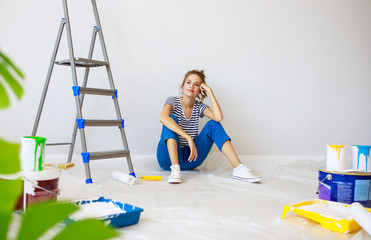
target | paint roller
[
  {"x": 361, "y": 216},
  {"x": 123, "y": 177},
  {"x": 130, "y": 180}
]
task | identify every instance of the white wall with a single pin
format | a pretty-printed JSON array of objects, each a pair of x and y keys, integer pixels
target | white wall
[{"x": 291, "y": 76}]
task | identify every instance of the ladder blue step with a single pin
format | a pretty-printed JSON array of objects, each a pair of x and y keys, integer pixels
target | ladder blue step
[
  {"x": 82, "y": 62},
  {"x": 82, "y": 123},
  {"x": 105, "y": 155},
  {"x": 57, "y": 144},
  {"x": 77, "y": 90}
]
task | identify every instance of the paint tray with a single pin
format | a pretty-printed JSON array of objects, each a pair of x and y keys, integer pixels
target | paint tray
[
  {"x": 331, "y": 215},
  {"x": 114, "y": 213}
]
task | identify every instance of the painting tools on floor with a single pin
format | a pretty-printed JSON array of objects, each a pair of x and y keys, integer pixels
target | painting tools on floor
[
  {"x": 332, "y": 215},
  {"x": 338, "y": 187},
  {"x": 114, "y": 213},
  {"x": 347, "y": 176}
]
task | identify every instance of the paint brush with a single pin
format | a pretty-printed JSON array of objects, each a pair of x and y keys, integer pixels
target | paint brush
[{"x": 61, "y": 166}]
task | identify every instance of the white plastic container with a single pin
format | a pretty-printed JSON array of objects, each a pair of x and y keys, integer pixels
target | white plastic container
[
  {"x": 361, "y": 157},
  {"x": 32, "y": 153},
  {"x": 338, "y": 157}
]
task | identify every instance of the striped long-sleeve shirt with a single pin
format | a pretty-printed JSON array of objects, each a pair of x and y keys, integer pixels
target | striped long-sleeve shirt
[{"x": 190, "y": 126}]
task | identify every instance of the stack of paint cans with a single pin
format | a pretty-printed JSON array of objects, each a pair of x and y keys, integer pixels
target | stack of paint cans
[
  {"x": 347, "y": 176},
  {"x": 40, "y": 184}
]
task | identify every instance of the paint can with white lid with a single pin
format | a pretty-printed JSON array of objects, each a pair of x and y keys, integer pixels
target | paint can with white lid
[{"x": 39, "y": 186}]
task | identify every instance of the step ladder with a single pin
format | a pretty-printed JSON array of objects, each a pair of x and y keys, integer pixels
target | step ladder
[{"x": 80, "y": 91}]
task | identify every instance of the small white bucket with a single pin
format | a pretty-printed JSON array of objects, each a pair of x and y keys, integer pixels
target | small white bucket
[
  {"x": 338, "y": 157},
  {"x": 32, "y": 153},
  {"x": 361, "y": 157}
]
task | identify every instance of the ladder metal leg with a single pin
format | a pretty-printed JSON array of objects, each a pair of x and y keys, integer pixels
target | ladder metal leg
[
  {"x": 73, "y": 141},
  {"x": 128, "y": 158},
  {"x": 48, "y": 76},
  {"x": 109, "y": 73},
  {"x": 90, "y": 55},
  {"x": 75, "y": 83}
]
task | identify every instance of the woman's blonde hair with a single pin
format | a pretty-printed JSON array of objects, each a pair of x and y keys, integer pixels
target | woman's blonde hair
[{"x": 201, "y": 74}]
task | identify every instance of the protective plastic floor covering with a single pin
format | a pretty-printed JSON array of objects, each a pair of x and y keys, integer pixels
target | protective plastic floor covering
[{"x": 209, "y": 204}]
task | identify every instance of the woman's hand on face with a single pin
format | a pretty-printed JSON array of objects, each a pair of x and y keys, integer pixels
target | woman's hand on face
[
  {"x": 204, "y": 88},
  {"x": 193, "y": 154}
]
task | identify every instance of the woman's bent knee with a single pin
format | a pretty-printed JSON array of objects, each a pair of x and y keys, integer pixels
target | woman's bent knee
[
  {"x": 174, "y": 117},
  {"x": 212, "y": 123}
]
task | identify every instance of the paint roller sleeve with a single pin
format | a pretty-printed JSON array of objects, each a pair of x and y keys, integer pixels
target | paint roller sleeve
[
  {"x": 361, "y": 215},
  {"x": 123, "y": 177}
]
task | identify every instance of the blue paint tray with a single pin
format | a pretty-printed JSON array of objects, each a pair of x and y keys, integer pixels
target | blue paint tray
[{"x": 114, "y": 213}]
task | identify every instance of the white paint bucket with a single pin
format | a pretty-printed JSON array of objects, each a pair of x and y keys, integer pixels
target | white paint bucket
[
  {"x": 32, "y": 153},
  {"x": 338, "y": 157},
  {"x": 361, "y": 157},
  {"x": 39, "y": 186}
]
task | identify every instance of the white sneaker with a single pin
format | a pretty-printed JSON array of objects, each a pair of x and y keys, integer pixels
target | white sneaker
[
  {"x": 243, "y": 173},
  {"x": 175, "y": 176}
]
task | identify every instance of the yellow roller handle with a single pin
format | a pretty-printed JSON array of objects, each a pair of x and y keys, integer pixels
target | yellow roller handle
[{"x": 152, "y": 178}]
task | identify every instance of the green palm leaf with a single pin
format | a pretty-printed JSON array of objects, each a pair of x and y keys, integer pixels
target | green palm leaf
[
  {"x": 46, "y": 216},
  {"x": 9, "y": 157},
  {"x": 88, "y": 229},
  {"x": 40, "y": 217},
  {"x": 10, "y": 75},
  {"x": 10, "y": 192}
]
